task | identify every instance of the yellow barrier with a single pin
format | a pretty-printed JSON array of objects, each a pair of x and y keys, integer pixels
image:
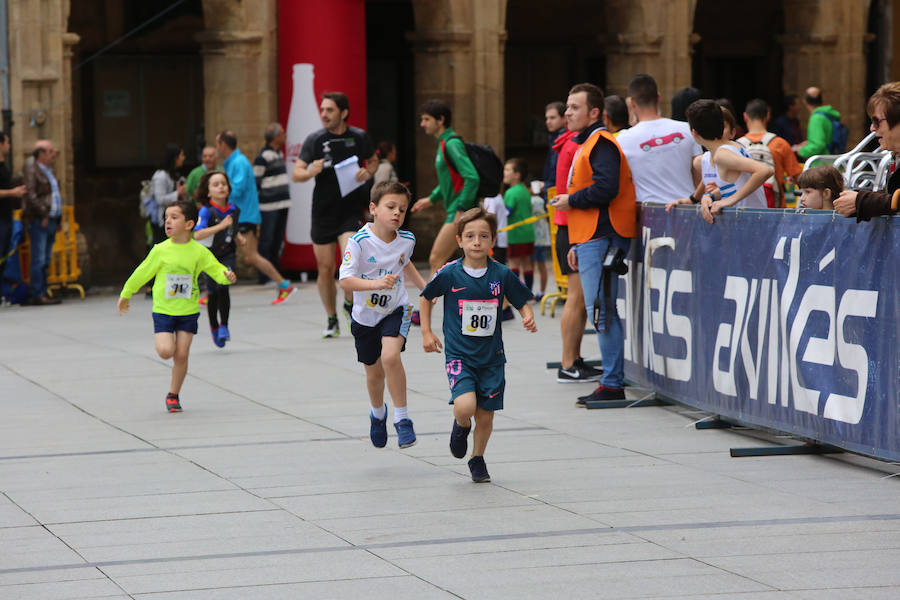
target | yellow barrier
[
  {"x": 562, "y": 282},
  {"x": 63, "y": 272}
]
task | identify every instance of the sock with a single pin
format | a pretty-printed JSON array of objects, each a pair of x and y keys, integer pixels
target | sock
[
  {"x": 380, "y": 412},
  {"x": 285, "y": 284},
  {"x": 529, "y": 279},
  {"x": 400, "y": 413},
  {"x": 348, "y": 305}
]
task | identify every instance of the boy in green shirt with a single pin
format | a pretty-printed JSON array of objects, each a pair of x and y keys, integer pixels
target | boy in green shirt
[
  {"x": 518, "y": 204},
  {"x": 175, "y": 263}
]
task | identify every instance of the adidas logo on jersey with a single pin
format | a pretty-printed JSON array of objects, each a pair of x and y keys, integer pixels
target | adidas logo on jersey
[{"x": 372, "y": 259}]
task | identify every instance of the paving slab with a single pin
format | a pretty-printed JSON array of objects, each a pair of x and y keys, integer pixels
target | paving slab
[{"x": 267, "y": 486}]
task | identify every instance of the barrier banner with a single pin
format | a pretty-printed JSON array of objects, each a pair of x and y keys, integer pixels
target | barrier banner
[{"x": 779, "y": 319}]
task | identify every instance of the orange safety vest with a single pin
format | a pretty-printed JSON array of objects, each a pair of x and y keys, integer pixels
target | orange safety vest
[{"x": 623, "y": 208}]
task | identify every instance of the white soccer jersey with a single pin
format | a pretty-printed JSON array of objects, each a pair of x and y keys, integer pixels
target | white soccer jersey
[{"x": 368, "y": 257}]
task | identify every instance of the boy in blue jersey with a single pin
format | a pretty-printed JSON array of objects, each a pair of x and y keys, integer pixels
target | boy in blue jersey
[
  {"x": 375, "y": 266},
  {"x": 474, "y": 288}
]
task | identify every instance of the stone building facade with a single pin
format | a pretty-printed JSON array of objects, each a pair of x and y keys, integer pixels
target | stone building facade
[{"x": 497, "y": 61}]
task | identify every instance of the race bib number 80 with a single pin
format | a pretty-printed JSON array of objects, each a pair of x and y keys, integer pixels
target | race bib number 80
[
  {"x": 179, "y": 286},
  {"x": 479, "y": 317}
]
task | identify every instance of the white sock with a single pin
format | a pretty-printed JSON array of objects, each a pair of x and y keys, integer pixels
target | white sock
[
  {"x": 380, "y": 412},
  {"x": 400, "y": 413}
]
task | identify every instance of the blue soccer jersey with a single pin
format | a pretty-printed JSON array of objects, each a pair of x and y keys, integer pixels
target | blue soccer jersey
[{"x": 472, "y": 307}]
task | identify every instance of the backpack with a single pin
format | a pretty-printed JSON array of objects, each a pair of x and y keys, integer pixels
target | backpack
[
  {"x": 486, "y": 163},
  {"x": 147, "y": 206},
  {"x": 760, "y": 151},
  {"x": 839, "y": 136}
]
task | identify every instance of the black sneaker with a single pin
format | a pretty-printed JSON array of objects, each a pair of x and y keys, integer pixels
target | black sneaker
[
  {"x": 459, "y": 442},
  {"x": 348, "y": 312},
  {"x": 578, "y": 373},
  {"x": 601, "y": 393},
  {"x": 378, "y": 430},
  {"x": 478, "y": 470},
  {"x": 172, "y": 403},
  {"x": 507, "y": 314},
  {"x": 332, "y": 329}
]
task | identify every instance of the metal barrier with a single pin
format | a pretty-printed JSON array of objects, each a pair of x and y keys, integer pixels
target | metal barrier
[{"x": 861, "y": 170}]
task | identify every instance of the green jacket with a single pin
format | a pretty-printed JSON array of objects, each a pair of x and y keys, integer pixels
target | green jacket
[
  {"x": 455, "y": 198},
  {"x": 518, "y": 203},
  {"x": 192, "y": 181},
  {"x": 818, "y": 132}
]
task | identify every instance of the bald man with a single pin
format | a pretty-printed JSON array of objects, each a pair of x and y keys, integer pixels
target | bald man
[
  {"x": 41, "y": 211},
  {"x": 207, "y": 163},
  {"x": 820, "y": 129}
]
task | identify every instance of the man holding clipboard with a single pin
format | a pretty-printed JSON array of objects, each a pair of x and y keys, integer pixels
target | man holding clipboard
[{"x": 335, "y": 215}]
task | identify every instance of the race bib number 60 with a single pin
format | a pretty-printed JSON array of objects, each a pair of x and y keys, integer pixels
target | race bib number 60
[
  {"x": 479, "y": 317},
  {"x": 179, "y": 286},
  {"x": 382, "y": 301}
]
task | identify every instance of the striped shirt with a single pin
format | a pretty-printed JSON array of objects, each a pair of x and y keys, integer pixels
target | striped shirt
[{"x": 271, "y": 179}]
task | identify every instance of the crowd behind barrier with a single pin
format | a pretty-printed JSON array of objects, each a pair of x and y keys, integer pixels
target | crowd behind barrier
[{"x": 779, "y": 319}]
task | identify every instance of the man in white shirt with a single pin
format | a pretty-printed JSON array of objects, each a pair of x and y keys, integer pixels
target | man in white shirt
[{"x": 659, "y": 150}]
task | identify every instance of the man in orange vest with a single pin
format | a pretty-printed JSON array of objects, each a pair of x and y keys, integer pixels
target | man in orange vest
[{"x": 602, "y": 218}]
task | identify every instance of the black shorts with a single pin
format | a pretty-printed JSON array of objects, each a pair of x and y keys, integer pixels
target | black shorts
[
  {"x": 248, "y": 228},
  {"x": 368, "y": 339},
  {"x": 171, "y": 323},
  {"x": 562, "y": 249},
  {"x": 327, "y": 231}
]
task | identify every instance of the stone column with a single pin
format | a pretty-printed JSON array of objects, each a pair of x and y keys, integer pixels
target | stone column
[
  {"x": 649, "y": 36},
  {"x": 240, "y": 82},
  {"x": 459, "y": 50},
  {"x": 825, "y": 47},
  {"x": 41, "y": 83}
]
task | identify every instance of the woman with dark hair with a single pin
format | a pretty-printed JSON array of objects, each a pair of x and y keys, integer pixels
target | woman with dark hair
[
  {"x": 884, "y": 110},
  {"x": 387, "y": 156},
  {"x": 681, "y": 100},
  {"x": 165, "y": 189}
]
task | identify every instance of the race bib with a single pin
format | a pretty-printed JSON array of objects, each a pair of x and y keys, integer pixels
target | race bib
[
  {"x": 179, "y": 286},
  {"x": 479, "y": 317},
  {"x": 382, "y": 301}
]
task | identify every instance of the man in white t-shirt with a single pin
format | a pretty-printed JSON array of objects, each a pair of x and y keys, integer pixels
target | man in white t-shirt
[{"x": 659, "y": 150}]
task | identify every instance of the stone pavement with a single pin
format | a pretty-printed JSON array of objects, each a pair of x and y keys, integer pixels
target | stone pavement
[{"x": 267, "y": 486}]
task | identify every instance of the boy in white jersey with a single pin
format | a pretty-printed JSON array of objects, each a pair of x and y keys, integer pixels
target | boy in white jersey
[
  {"x": 376, "y": 263},
  {"x": 738, "y": 178}
]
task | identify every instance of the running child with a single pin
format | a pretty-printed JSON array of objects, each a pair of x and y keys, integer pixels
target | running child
[
  {"x": 518, "y": 204},
  {"x": 215, "y": 229},
  {"x": 473, "y": 288},
  {"x": 175, "y": 264},
  {"x": 375, "y": 266},
  {"x": 820, "y": 186}
]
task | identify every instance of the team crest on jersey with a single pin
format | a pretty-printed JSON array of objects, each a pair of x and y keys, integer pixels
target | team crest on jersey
[
  {"x": 402, "y": 256},
  {"x": 347, "y": 256},
  {"x": 495, "y": 287}
]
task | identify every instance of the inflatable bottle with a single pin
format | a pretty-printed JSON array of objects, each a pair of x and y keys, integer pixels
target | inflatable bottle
[{"x": 302, "y": 120}]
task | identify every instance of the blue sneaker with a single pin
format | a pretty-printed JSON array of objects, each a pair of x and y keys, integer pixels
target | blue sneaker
[
  {"x": 224, "y": 334},
  {"x": 406, "y": 436},
  {"x": 479, "y": 470},
  {"x": 459, "y": 440},
  {"x": 216, "y": 339},
  {"x": 378, "y": 430}
]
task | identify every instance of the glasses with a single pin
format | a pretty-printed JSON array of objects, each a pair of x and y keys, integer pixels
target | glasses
[{"x": 877, "y": 121}]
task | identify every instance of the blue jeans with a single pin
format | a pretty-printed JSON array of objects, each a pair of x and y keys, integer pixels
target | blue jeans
[
  {"x": 41, "y": 241},
  {"x": 271, "y": 234},
  {"x": 612, "y": 341}
]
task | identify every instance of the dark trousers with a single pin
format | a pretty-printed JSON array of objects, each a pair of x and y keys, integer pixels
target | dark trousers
[
  {"x": 41, "y": 243},
  {"x": 271, "y": 236}
]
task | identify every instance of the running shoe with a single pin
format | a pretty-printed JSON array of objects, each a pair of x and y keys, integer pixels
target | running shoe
[
  {"x": 224, "y": 334},
  {"x": 507, "y": 314},
  {"x": 378, "y": 430},
  {"x": 601, "y": 393},
  {"x": 203, "y": 301},
  {"x": 217, "y": 337},
  {"x": 479, "y": 470},
  {"x": 172, "y": 403},
  {"x": 406, "y": 436},
  {"x": 284, "y": 294},
  {"x": 348, "y": 311},
  {"x": 459, "y": 440},
  {"x": 578, "y": 373},
  {"x": 415, "y": 318},
  {"x": 332, "y": 330}
]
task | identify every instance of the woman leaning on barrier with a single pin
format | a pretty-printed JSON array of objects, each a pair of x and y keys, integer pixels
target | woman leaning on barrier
[{"x": 884, "y": 110}]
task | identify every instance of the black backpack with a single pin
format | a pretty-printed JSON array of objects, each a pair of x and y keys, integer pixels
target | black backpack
[{"x": 486, "y": 163}]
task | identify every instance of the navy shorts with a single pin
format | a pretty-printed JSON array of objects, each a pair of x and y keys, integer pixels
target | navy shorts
[
  {"x": 171, "y": 323},
  {"x": 488, "y": 383},
  {"x": 368, "y": 339},
  {"x": 541, "y": 254}
]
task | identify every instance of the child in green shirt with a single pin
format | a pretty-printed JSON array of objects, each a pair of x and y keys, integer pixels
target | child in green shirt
[
  {"x": 518, "y": 204},
  {"x": 175, "y": 263}
]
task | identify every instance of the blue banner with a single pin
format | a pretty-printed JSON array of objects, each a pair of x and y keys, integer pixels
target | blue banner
[{"x": 774, "y": 318}]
